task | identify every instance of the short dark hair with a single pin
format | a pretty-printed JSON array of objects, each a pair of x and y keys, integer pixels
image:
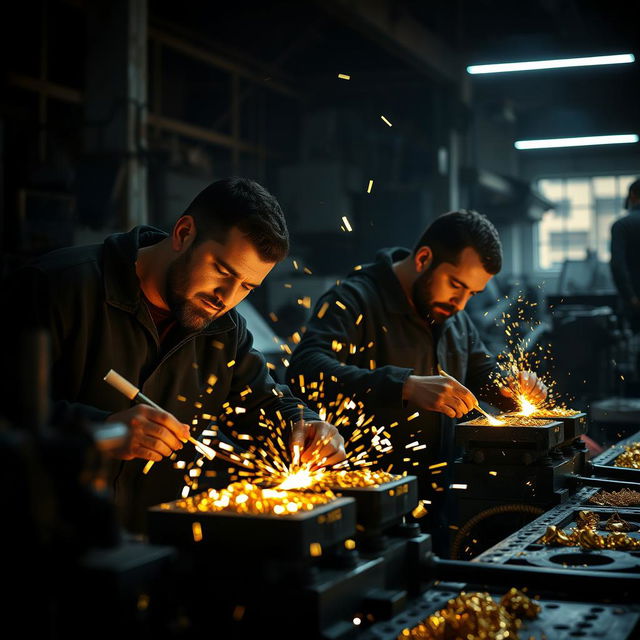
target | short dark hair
[
  {"x": 634, "y": 190},
  {"x": 451, "y": 232},
  {"x": 242, "y": 203}
]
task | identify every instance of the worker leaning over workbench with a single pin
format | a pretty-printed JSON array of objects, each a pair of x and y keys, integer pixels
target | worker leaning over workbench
[
  {"x": 159, "y": 310},
  {"x": 379, "y": 335}
]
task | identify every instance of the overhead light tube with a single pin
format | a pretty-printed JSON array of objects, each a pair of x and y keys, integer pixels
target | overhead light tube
[
  {"x": 586, "y": 141},
  {"x": 564, "y": 63}
]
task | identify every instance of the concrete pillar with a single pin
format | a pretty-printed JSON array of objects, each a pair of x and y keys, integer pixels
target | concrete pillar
[{"x": 116, "y": 102}]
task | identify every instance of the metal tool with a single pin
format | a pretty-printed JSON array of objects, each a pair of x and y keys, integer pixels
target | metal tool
[{"x": 133, "y": 393}]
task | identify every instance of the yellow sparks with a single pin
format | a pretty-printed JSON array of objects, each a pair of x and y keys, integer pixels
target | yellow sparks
[
  {"x": 298, "y": 480},
  {"x": 346, "y": 223},
  {"x": 322, "y": 310},
  {"x": 231, "y": 363},
  {"x": 370, "y": 186},
  {"x": 315, "y": 549},
  {"x": 527, "y": 408},
  {"x": 147, "y": 466},
  {"x": 344, "y": 76},
  {"x": 273, "y": 316},
  {"x": 196, "y": 527},
  {"x": 341, "y": 305},
  {"x": 386, "y": 121},
  {"x": 413, "y": 416}
]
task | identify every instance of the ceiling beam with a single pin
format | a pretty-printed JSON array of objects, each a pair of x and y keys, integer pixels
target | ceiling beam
[{"x": 388, "y": 24}]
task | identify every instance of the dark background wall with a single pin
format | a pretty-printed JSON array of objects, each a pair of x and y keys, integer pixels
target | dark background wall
[{"x": 118, "y": 113}]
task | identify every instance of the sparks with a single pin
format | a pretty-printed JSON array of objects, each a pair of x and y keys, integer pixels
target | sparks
[
  {"x": 300, "y": 479},
  {"x": 527, "y": 408}
]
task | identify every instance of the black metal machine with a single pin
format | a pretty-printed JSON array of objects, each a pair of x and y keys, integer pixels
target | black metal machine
[
  {"x": 351, "y": 568},
  {"x": 507, "y": 475}
]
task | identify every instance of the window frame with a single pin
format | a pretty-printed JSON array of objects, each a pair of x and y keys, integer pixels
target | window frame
[{"x": 593, "y": 215}]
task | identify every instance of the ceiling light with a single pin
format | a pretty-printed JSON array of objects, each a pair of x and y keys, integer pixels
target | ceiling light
[
  {"x": 592, "y": 61},
  {"x": 587, "y": 141}
]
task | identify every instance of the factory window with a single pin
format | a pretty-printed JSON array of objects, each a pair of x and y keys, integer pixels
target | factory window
[{"x": 585, "y": 209}]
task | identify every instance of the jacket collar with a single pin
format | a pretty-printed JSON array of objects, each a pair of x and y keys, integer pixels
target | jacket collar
[
  {"x": 121, "y": 284},
  {"x": 387, "y": 283}
]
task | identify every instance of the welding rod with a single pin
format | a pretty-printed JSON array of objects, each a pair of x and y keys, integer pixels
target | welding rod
[
  {"x": 133, "y": 393},
  {"x": 442, "y": 372}
]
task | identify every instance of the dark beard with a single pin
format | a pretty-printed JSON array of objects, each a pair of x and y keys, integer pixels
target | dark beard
[
  {"x": 190, "y": 316},
  {"x": 423, "y": 301}
]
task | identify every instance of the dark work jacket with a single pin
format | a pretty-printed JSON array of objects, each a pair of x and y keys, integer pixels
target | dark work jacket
[
  {"x": 402, "y": 344},
  {"x": 625, "y": 257},
  {"x": 90, "y": 301}
]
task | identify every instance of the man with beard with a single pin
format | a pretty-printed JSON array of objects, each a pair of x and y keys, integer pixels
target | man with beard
[
  {"x": 159, "y": 310},
  {"x": 379, "y": 336}
]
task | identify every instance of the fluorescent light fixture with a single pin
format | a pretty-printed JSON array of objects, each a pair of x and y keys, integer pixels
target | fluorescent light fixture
[
  {"x": 587, "y": 141},
  {"x": 623, "y": 58}
]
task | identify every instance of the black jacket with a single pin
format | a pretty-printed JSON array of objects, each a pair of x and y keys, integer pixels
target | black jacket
[
  {"x": 390, "y": 343},
  {"x": 90, "y": 301},
  {"x": 625, "y": 257}
]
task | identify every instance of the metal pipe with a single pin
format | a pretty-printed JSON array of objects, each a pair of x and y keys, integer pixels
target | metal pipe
[
  {"x": 622, "y": 473},
  {"x": 576, "y": 480},
  {"x": 614, "y": 584}
]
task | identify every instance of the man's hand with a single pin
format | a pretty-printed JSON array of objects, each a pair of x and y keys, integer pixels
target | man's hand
[
  {"x": 317, "y": 442},
  {"x": 153, "y": 434},
  {"x": 534, "y": 390},
  {"x": 437, "y": 393}
]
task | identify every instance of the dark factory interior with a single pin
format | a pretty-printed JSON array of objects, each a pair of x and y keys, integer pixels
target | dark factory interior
[{"x": 424, "y": 420}]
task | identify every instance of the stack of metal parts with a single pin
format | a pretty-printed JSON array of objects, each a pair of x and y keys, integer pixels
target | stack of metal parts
[{"x": 509, "y": 474}]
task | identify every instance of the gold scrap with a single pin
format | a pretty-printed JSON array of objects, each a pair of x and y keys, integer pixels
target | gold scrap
[
  {"x": 584, "y": 535},
  {"x": 476, "y": 615},
  {"x": 247, "y": 498},
  {"x": 510, "y": 421},
  {"x": 616, "y": 523},
  {"x": 622, "y": 498},
  {"x": 630, "y": 457}
]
